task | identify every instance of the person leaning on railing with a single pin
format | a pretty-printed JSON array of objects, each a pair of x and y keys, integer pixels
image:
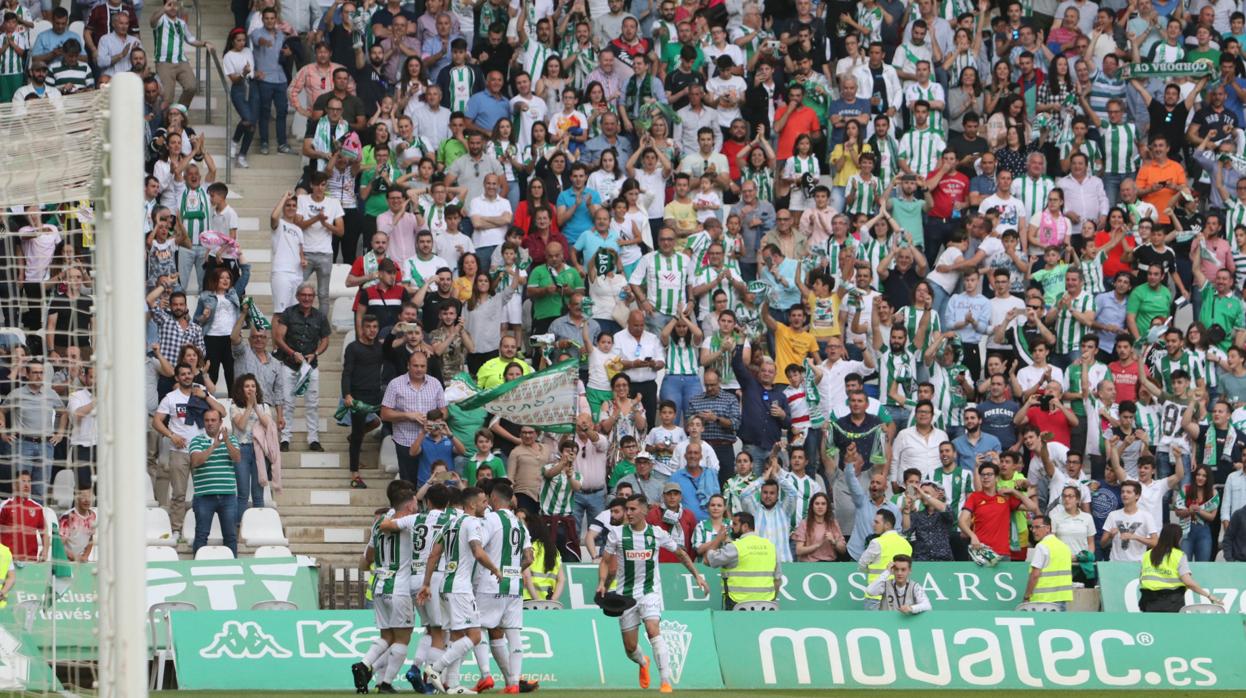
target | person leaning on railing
[{"x": 1166, "y": 575}]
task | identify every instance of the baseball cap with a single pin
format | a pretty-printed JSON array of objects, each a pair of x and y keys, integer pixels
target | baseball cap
[
  {"x": 671, "y": 487},
  {"x": 644, "y": 455}
]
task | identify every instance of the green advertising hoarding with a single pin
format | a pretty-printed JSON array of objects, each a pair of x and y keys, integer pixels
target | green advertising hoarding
[
  {"x": 219, "y": 585},
  {"x": 828, "y": 586},
  {"x": 1118, "y": 585},
  {"x": 980, "y": 650},
  {"x": 295, "y": 650},
  {"x": 22, "y": 665}
]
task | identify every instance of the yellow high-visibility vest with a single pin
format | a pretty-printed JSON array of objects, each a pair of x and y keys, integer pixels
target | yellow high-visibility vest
[
  {"x": 6, "y": 564},
  {"x": 890, "y": 544},
  {"x": 543, "y": 579},
  {"x": 1162, "y": 576},
  {"x": 752, "y": 576},
  {"x": 1055, "y": 581}
]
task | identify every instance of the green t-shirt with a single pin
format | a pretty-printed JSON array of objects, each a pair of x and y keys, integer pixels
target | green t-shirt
[
  {"x": 621, "y": 470},
  {"x": 1211, "y": 55},
  {"x": 1052, "y": 281},
  {"x": 1226, "y": 312},
  {"x": 670, "y": 56},
  {"x": 1146, "y": 304},
  {"x": 450, "y": 151},
  {"x": 375, "y": 204},
  {"x": 493, "y": 461},
  {"x": 218, "y": 475},
  {"x": 909, "y": 215},
  {"x": 553, "y": 305}
]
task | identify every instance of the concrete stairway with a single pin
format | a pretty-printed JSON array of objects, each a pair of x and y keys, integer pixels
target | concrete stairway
[{"x": 322, "y": 516}]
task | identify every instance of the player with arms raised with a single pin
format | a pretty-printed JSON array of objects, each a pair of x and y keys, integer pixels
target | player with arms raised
[
  {"x": 501, "y": 601},
  {"x": 463, "y": 547},
  {"x": 391, "y": 593},
  {"x": 633, "y": 548}
]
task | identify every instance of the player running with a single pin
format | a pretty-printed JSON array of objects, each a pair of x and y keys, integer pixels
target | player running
[
  {"x": 501, "y": 601},
  {"x": 391, "y": 594},
  {"x": 463, "y": 547},
  {"x": 634, "y": 548}
]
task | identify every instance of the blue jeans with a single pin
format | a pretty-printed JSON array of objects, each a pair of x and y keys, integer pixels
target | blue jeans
[
  {"x": 245, "y": 97},
  {"x": 585, "y": 506},
  {"x": 272, "y": 96},
  {"x": 191, "y": 262},
  {"x": 248, "y": 480},
  {"x": 36, "y": 457},
  {"x": 899, "y": 415},
  {"x": 223, "y": 505},
  {"x": 1197, "y": 543},
  {"x": 1112, "y": 186},
  {"x": 679, "y": 390},
  {"x": 940, "y": 299}
]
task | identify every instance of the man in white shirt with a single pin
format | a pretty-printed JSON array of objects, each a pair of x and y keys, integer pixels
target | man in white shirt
[
  {"x": 421, "y": 268},
  {"x": 113, "y": 53},
  {"x": 910, "y": 52},
  {"x": 491, "y": 215},
  {"x": 836, "y": 368},
  {"x": 1151, "y": 496},
  {"x": 1129, "y": 530},
  {"x": 320, "y": 217},
  {"x": 918, "y": 445},
  {"x": 530, "y": 108},
  {"x": 1012, "y": 212},
  {"x": 642, "y": 355},
  {"x": 1084, "y": 196},
  {"x": 432, "y": 121}
]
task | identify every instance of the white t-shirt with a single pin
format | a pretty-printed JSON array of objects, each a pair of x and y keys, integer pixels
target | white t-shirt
[
  {"x": 481, "y": 206},
  {"x": 1152, "y": 501},
  {"x": 1029, "y": 376},
  {"x": 537, "y": 111},
  {"x": 867, "y": 313},
  {"x": 1073, "y": 530},
  {"x": 234, "y": 62},
  {"x": 317, "y": 239},
  {"x": 946, "y": 279},
  {"x": 1137, "y": 523},
  {"x": 653, "y": 191},
  {"x": 734, "y": 86},
  {"x": 84, "y": 433},
  {"x": 445, "y": 245},
  {"x": 1011, "y": 212},
  {"x": 999, "y": 312},
  {"x": 174, "y": 405},
  {"x": 224, "y": 221},
  {"x": 661, "y": 435},
  {"x": 287, "y": 239}
]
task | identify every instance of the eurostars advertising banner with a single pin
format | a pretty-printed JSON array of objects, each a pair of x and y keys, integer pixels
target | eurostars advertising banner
[
  {"x": 982, "y": 650},
  {"x": 822, "y": 586},
  {"x": 1119, "y": 584},
  {"x": 219, "y": 585},
  {"x": 294, "y": 650}
]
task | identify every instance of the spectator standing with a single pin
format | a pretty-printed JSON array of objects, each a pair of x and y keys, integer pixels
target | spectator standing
[
  {"x": 407, "y": 401},
  {"x": 720, "y": 413},
  {"x": 77, "y": 527},
  {"x": 772, "y": 500},
  {"x": 33, "y": 418},
  {"x": 525, "y": 467},
  {"x": 926, "y": 522},
  {"x": 642, "y": 355},
  {"x": 268, "y": 47},
  {"x": 880, "y": 553},
  {"x": 697, "y": 483},
  {"x": 321, "y": 218},
  {"x": 171, "y": 37},
  {"x": 987, "y": 516},
  {"x": 1129, "y": 530},
  {"x": 23, "y": 528},
  {"x": 83, "y": 437},
  {"x": 591, "y": 466},
  {"x": 362, "y": 364},
  {"x": 301, "y": 333},
  {"x": 745, "y": 560},
  {"x": 212, "y": 457},
  {"x": 1051, "y": 567},
  {"x": 672, "y": 516}
]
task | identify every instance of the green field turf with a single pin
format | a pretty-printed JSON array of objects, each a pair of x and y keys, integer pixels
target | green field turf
[{"x": 844, "y": 693}]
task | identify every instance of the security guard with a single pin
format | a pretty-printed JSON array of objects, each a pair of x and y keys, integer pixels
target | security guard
[
  {"x": 544, "y": 579},
  {"x": 1166, "y": 575},
  {"x": 750, "y": 563},
  {"x": 1051, "y": 567},
  {"x": 8, "y": 576},
  {"x": 881, "y": 551}
]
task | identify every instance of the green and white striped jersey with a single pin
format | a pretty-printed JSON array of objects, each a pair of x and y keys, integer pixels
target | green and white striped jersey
[
  {"x": 556, "y": 492},
  {"x": 806, "y": 487},
  {"x": 1033, "y": 193},
  {"x": 1148, "y": 420},
  {"x": 930, "y": 93},
  {"x": 910, "y": 318},
  {"x": 832, "y": 251},
  {"x": 706, "y": 275},
  {"x": 763, "y": 178},
  {"x": 460, "y": 560},
  {"x": 1070, "y": 330},
  {"x": 424, "y": 529},
  {"x": 868, "y": 194},
  {"x": 949, "y": 396},
  {"x": 11, "y": 63},
  {"x": 1072, "y": 382},
  {"x": 795, "y": 167},
  {"x": 922, "y": 150},
  {"x": 1120, "y": 148},
  {"x": 731, "y": 492},
  {"x": 506, "y": 539},
  {"x": 665, "y": 280},
  {"x": 1090, "y": 149},
  {"x": 535, "y": 54},
  {"x": 1235, "y": 215},
  {"x": 1092, "y": 273},
  {"x": 872, "y": 250},
  {"x": 171, "y": 36},
  {"x": 1185, "y": 361},
  {"x": 896, "y": 370},
  {"x": 956, "y": 486},
  {"x": 682, "y": 358},
  {"x": 391, "y": 560},
  {"x": 193, "y": 210},
  {"x": 637, "y": 554},
  {"x": 462, "y": 86}
]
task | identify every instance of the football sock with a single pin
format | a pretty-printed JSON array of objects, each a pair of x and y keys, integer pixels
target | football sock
[
  {"x": 435, "y": 654},
  {"x": 481, "y": 650},
  {"x": 421, "y": 651},
  {"x": 454, "y": 653},
  {"x": 514, "y": 642},
  {"x": 502, "y": 656},
  {"x": 397, "y": 658},
  {"x": 659, "y": 653},
  {"x": 637, "y": 655},
  {"x": 378, "y": 648},
  {"x": 382, "y": 662}
]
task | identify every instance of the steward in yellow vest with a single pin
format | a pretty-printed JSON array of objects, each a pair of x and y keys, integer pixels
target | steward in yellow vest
[
  {"x": 881, "y": 551},
  {"x": 545, "y": 574},
  {"x": 750, "y": 563},
  {"x": 1051, "y": 567},
  {"x": 1166, "y": 575},
  {"x": 8, "y": 576}
]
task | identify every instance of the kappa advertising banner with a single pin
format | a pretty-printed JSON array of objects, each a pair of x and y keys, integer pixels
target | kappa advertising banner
[
  {"x": 294, "y": 650},
  {"x": 22, "y": 666},
  {"x": 219, "y": 585},
  {"x": 836, "y": 586},
  {"x": 786, "y": 650},
  {"x": 1118, "y": 582}
]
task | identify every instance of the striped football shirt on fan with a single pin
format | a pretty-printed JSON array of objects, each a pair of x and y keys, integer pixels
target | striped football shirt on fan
[
  {"x": 865, "y": 194},
  {"x": 665, "y": 280},
  {"x": 67, "y": 78},
  {"x": 1070, "y": 330},
  {"x": 217, "y": 475},
  {"x": 1120, "y": 148},
  {"x": 171, "y": 36},
  {"x": 1033, "y": 193},
  {"x": 556, "y": 492},
  {"x": 922, "y": 150}
]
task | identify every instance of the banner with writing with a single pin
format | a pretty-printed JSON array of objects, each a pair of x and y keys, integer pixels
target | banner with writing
[
  {"x": 1118, "y": 584},
  {"x": 544, "y": 398},
  {"x": 1183, "y": 69}
]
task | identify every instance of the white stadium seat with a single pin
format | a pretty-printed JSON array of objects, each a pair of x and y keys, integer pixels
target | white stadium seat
[
  {"x": 151, "y": 492},
  {"x": 214, "y": 533},
  {"x": 262, "y": 526},
  {"x": 342, "y": 314},
  {"x": 214, "y": 552},
  {"x": 273, "y": 551},
  {"x": 159, "y": 530},
  {"x": 159, "y": 553},
  {"x": 388, "y": 456},
  {"x": 337, "y": 282}
]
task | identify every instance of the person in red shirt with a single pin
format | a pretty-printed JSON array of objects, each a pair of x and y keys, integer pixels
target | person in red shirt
[
  {"x": 1046, "y": 411},
  {"x": 23, "y": 525},
  {"x": 1117, "y": 228},
  {"x": 949, "y": 192},
  {"x": 794, "y": 119},
  {"x": 987, "y": 515},
  {"x": 736, "y": 140},
  {"x": 672, "y": 517},
  {"x": 1126, "y": 370}
]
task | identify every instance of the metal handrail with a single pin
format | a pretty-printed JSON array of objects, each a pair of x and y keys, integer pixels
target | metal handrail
[{"x": 229, "y": 112}]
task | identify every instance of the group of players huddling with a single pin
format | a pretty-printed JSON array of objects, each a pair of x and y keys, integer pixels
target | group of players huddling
[{"x": 459, "y": 562}]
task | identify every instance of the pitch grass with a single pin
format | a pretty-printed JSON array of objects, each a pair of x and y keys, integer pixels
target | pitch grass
[{"x": 819, "y": 693}]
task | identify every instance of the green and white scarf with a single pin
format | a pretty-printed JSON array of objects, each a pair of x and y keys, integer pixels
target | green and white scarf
[
  {"x": 325, "y": 137},
  {"x": 1211, "y": 456}
]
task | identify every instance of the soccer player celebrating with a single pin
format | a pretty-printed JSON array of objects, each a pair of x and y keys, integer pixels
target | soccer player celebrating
[
  {"x": 501, "y": 600},
  {"x": 632, "y": 550},
  {"x": 391, "y": 595},
  {"x": 463, "y": 547}
]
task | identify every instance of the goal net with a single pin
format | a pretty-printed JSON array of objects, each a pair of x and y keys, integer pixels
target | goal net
[{"x": 72, "y": 355}]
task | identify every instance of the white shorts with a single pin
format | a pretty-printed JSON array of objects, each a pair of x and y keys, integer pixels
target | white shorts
[
  {"x": 392, "y": 611},
  {"x": 500, "y": 611},
  {"x": 463, "y": 612},
  {"x": 512, "y": 312},
  {"x": 648, "y": 607}
]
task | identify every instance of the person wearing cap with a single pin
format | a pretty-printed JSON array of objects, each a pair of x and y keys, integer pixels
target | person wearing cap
[
  {"x": 1051, "y": 567},
  {"x": 38, "y": 86},
  {"x": 646, "y": 480},
  {"x": 673, "y": 517},
  {"x": 750, "y": 564}
]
